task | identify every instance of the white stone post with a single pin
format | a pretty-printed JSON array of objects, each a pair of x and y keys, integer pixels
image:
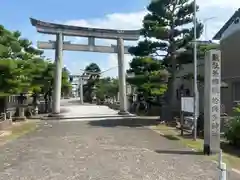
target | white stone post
[
  {"x": 222, "y": 167},
  {"x": 122, "y": 77},
  {"x": 212, "y": 102},
  {"x": 58, "y": 75},
  {"x": 81, "y": 89}
]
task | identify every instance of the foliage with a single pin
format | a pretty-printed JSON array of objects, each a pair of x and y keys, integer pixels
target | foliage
[
  {"x": 186, "y": 56},
  {"x": 9, "y": 84},
  {"x": 149, "y": 76},
  {"x": 232, "y": 133},
  {"x": 66, "y": 84},
  {"x": 169, "y": 24},
  {"x": 19, "y": 62},
  {"x": 106, "y": 87},
  {"x": 93, "y": 72},
  {"x": 236, "y": 109},
  {"x": 45, "y": 80},
  {"x": 22, "y": 67},
  {"x": 14, "y": 47}
]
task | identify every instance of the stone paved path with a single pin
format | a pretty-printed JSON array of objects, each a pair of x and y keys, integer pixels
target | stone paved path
[
  {"x": 96, "y": 151},
  {"x": 73, "y": 109}
]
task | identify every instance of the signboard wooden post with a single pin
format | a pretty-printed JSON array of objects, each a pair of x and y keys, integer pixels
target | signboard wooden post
[
  {"x": 212, "y": 102},
  {"x": 187, "y": 106}
]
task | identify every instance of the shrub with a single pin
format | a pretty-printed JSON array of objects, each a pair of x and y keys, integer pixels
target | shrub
[
  {"x": 236, "y": 109},
  {"x": 232, "y": 133}
]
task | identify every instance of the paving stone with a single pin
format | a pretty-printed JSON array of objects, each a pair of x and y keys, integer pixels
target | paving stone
[{"x": 83, "y": 151}]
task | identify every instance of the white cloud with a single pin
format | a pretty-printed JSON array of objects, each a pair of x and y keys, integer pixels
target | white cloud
[
  {"x": 219, "y": 3},
  {"x": 123, "y": 21},
  {"x": 133, "y": 20}
]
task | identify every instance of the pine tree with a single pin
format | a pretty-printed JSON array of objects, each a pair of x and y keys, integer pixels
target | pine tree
[
  {"x": 93, "y": 71},
  {"x": 167, "y": 30},
  {"x": 22, "y": 66},
  {"x": 149, "y": 76}
]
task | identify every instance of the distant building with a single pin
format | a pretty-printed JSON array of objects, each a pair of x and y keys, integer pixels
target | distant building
[
  {"x": 229, "y": 36},
  {"x": 184, "y": 84}
]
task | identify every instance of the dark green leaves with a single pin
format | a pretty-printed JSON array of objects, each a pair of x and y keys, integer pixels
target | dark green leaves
[
  {"x": 149, "y": 75},
  {"x": 22, "y": 69}
]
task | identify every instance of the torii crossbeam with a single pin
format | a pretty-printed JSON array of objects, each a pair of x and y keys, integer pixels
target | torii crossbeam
[{"x": 61, "y": 30}]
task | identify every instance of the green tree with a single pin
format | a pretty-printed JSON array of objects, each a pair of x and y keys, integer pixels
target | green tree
[
  {"x": 45, "y": 80},
  {"x": 23, "y": 68},
  {"x": 66, "y": 84},
  {"x": 106, "y": 87},
  {"x": 17, "y": 53},
  {"x": 167, "y": 28},
  {"x": 9, "y": 83},
  {"x": 93, "y": 72},
  {"x": 149, "y": 76}
]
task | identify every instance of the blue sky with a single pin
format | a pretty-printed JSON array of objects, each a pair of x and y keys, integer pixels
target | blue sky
[{"x": 122, "y": 14}]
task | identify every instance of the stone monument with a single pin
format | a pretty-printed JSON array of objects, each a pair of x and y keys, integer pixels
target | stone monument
[{"x": 212, "y": 102}]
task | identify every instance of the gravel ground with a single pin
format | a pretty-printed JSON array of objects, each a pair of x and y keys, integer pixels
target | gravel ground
[{"x": 84, "y": 151}]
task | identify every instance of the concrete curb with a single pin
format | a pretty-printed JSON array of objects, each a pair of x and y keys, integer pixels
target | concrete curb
[{"x": 46, "y": 117}]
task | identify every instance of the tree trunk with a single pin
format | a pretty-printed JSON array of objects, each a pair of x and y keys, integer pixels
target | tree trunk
[
  {"x": 170, "y": 100},
  {"x": 168, "y": 107}
]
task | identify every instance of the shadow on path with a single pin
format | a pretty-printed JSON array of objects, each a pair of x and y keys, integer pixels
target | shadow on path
[
  {"x": 171, "y": 137},
  {"x": 128, "y": 122},
  {"x": 179, "y": 152}
]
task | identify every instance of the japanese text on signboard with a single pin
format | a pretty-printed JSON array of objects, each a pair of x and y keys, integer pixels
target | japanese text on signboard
[{"x": 216, "y": 85}]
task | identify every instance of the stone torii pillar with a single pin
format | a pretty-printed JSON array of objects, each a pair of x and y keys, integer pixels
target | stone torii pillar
[
  {"x": 122, "y": 78},
  {"x": 57, "y": 75},
  {"x": 91, "y": 33}
]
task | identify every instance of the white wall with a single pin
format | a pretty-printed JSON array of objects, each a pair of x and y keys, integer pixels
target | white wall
[{"x": 186, "y": 69}]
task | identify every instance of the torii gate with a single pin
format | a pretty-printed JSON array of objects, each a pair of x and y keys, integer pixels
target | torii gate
[
  {"x": 61, "y": 30},
  {"x": 81, "y": 82}
]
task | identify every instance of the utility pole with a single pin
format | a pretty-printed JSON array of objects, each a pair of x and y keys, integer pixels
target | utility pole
[{"x": 195, "y": 71}]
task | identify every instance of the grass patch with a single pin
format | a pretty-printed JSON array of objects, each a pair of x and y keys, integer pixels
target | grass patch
[
  {"x": 19, "y": 129},
  {"x": 230, "y": 160},
  {"x": 230, "y": 157},
  {"x": 196, "y": 145}
]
